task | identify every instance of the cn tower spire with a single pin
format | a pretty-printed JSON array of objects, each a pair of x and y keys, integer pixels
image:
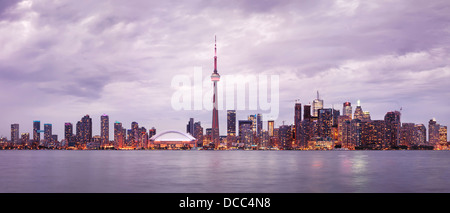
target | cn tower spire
[{"x": 215, "y": 54}]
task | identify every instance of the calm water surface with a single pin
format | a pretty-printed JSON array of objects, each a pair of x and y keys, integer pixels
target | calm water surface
[{"x": 224, "y": 171}]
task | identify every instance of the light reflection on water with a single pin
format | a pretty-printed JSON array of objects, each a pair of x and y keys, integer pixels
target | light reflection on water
[{"x": 224, "y": 171}]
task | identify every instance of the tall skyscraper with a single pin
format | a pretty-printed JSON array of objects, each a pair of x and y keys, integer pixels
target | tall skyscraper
[
  {"x": 392, "y": 129},
  {"x": 246, "y": 133},
  {"x": 325, "y": 122},
  {"x": 118, "y": 135},
  {"x": 15, "y": 134},
  {"x": 231, "y": 122},
  {"x": 297, "y": 121},
  {"x": 215, "y": 77},
  {"x": 258, "y": 124},
  {"x": 442, "y": 134},
  {"x": 104, "y": 128},
  {"x": 307, "y": 112},
  {"x": 270, "y": 127},
  {"x": 85, "y": 129},
  {"x": 68, "y": 134},
  {"x": 47, "y": 133},
  {"x": 36, "y": 133},
  {"x": 190, "y": 126},
  {"x": 347, "y": 109},
  {"x": 317, "y": 104}
]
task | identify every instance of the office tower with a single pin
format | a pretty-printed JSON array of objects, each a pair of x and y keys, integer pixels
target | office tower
[
  {"x": 285, "y": 137},
  {"x": 198, "y": 133},
  {"x": 151, "y": 132},
  {"x": 215, "y": 77},
  {"x": 407, "y": 134},
  {"x": 433, "y": 132},
  {"x": 54, "y": 138},
  {"x": 68, "y": 134},
  {"x": 190, "y": 126},
  {"x": 355, "y": 128},
  {"x": 297, "y": 121},
  {"x": 231, "y": 127},
  {"x": 307, "y": 112},
  {"x": 104, "y": 128},
  {"x": 47, "y": 134},
  {"x": 133, "y": 136},
  {"x": 252, "y": 118},
  {"x": 85, "y": 129},
  {"x": 25, "y": 138},
  {"x": 36, "y": 133},
  {"x": 420, "y": 134},
  {"x": 442, "y": 134},
  {"x": 118, "y": 135},
  {"x": 317, "y": 105},
  {"x": 324, "y": 123},
  {"x": 372, "y": 134},
  {"x": 335, "y": 116},
  {"x": 358, "y": 112},
  {"x": 270, "y": 127},
  {"x": 344, "y": 131},
  {"x": 347, "y": 109},
  {"x": 392, "y": 129},
  {"x": 246, "y": 133},
  {"x": 231, "y": 122},
  {"x": 15, "y": 134},
  {"x": 258, "y": 125}
]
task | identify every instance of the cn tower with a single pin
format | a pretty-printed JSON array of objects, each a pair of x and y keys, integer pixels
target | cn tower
[{"x": 215, "y": 77}]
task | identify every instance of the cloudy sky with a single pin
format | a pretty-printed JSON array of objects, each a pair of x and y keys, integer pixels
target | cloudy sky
[{"x": 61, "y": 59}]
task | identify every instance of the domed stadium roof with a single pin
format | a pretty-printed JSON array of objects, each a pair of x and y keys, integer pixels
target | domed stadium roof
[{"x": 172, "y": 135}]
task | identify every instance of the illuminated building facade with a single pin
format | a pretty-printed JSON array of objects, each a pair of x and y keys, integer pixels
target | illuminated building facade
[
  {"x": 317, "y": 105},
  {"x": 392, "y": 129},
  {"x": 246, "y": 133},
  {"x": 47, "y": 134},
  {"x": 68, "y": 134},
  {"x": 325, "y": 123},
  {"x": 36, "y": 133},
  {"x": 15, "y": 134},
  {"x": 297, "y": 121},
  {"x": 104, "y": 129},
  {"x": 347, "y": 109},
  {"x": 270, "y": 127}
]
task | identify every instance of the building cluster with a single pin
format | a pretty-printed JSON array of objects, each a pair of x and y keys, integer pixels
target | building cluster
[
  {"x": 134, "y": 138},
  {"x": 314, "y": 127},
  {"x": 325, "y": 128}
]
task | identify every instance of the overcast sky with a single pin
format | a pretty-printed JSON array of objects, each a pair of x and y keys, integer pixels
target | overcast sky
[{"x": 61, "y": 59}]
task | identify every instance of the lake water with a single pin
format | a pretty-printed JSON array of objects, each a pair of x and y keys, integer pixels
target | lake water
[{"x": 153, "y": 171}]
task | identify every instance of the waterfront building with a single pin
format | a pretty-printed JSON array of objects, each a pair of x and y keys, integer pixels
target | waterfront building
[
  {"x": 407, "y": 134},
  {"x": 47, "y": 134},
  {"x": 372, "y": 134},
  {"x": 104, "y": 129},
  {"x": 325, "y": 123},
  {"x": 68, "y": 134},
  {"x": 392, "y": 129},
  {"x": 119, "y": 137},
  {"x": 297, "y": 122},
  {"x": 25, "y": 139},
  {"x": 433, "y": 132},
  {"x": 246, "y": 133},
  {"x": 36, "y": 133},
  {"x": 442, "y": 134},
  {"x": 15, "y": 134}
]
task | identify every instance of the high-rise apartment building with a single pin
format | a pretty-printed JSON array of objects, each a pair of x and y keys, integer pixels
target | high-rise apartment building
[
  {"x": 104, "y": 129},
  {"x": 392, "y": 129},
  {"x": 15, "y": 134}
]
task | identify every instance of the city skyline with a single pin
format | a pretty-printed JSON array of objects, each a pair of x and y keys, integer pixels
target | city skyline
[{"x": 63, "y": 60}]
